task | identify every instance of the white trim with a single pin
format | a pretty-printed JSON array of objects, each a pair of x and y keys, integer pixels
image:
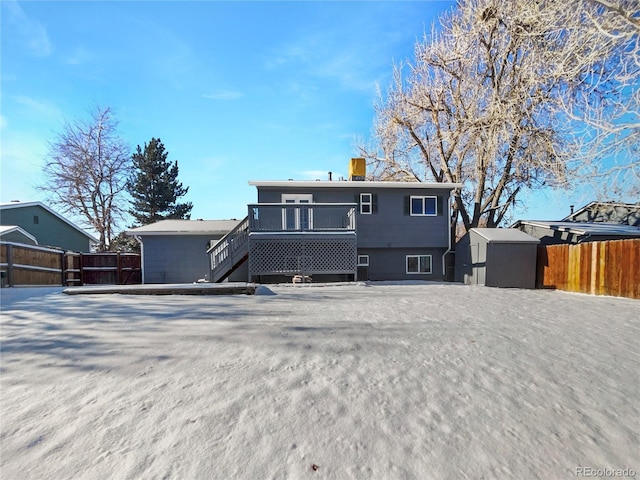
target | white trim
[
  {"x": 363, "y": 263},
  {"x": 354, "y": 184},
  {"x": 297, "y": 199},
  {"x": 369, "y": 203},
  {"x": 406, "y": 262}
]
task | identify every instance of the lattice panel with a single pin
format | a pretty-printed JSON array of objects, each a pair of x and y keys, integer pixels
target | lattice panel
[{"x": 302, "y": 255}]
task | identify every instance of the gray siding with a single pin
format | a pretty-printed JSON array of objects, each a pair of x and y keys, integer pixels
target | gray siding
[
  {"x": 49, "y": 230},
  {"x": 389, "y": 227},
  {"x": 390, "y": 263},
  {"x": 175, "y": 258},
  {"x": 17, "y": 237}
]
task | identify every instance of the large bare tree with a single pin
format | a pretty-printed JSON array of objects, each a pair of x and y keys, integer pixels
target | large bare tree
[
  {"x": 506, "y": 96},
  {"x": 86, "y": 171}
]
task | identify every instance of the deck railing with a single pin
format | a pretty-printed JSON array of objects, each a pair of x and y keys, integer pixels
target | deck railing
[
  {"x": 302, "y": 217},
  {"x": 228, "y": 251}
]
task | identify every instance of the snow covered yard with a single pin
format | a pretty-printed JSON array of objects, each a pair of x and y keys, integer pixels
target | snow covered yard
[{"x": 350, "y": 381}]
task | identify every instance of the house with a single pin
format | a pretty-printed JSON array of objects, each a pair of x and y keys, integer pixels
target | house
[
  {"x": 607, "y": 212},
  {"x": 497, "y": 257},
  {"x": 340, "y": 230},
  {"x": 47, "y": 227},
  {"x": 175, "y": 251},
  {"x": 15, "y": 234},
  {"x": 551, "y": 233}
]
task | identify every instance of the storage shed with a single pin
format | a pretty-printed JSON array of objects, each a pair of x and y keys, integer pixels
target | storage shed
[{"x": 497, "y": 257}]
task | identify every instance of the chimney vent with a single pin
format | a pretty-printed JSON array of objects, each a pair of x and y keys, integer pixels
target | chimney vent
[{"x": 357, "y": 169}]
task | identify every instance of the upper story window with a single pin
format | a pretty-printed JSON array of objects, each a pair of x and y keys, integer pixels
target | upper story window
[
  {"x": 368, "y": 203},
  {"x": 421, "y": 206},
  {"x": 36, "y": 219}
]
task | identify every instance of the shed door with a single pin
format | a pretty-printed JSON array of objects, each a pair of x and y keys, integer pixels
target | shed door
[{"x": 298, "y": 217}]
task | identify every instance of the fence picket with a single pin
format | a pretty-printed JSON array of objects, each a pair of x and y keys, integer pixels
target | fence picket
[{"x": 602, "y": 268}]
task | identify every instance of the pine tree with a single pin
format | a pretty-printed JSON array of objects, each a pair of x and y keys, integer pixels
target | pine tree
[{"x": 154, "y": 186}]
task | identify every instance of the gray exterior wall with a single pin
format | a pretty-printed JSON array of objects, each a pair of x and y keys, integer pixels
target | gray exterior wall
[
  {"x": 391, "y": 264},
  {"x": 49, "y": 230},
  {"x": 389, "y": 227},
  {"x": 175, "y": 258},
  {"x": 389, "y": 234}
]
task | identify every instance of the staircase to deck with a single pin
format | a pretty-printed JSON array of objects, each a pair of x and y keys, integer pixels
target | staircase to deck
[{"x": 229, "y": 252}]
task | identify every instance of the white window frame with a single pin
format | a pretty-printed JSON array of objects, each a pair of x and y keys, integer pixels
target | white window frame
[
  {"x": 363, "y": 261},
  {"x": 424, "y": 206},
  {"x": 296, "y": 200},
  {"x": 419, "y": 272},
  {"x": 364, "y": 203}
]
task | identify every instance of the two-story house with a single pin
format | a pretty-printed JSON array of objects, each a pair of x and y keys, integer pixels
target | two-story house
[{"x": 340, "y": 230}]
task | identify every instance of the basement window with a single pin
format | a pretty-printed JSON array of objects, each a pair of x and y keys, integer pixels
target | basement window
[{"x": 418, "y": 264}]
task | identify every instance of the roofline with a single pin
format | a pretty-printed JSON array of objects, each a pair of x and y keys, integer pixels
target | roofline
[
  {"x": 595, "y": 202},
  {"x": 574, "y": 229},
  {"x": 40, "y": 204},
  {"x": 352, "y": 184},
  {"x": 133, "y": 233},
  {"x": 14, "y": 228},
  {"x": 502, "y": 240}
]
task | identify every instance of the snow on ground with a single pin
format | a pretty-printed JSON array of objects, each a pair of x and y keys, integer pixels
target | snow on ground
[{"x": 352, "y": 381}]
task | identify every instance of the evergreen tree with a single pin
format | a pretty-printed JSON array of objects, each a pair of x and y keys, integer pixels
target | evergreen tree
[{"x": 154, "y": 186}]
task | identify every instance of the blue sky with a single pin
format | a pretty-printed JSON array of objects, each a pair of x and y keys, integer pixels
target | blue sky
[{"x": 236, "y": 91}]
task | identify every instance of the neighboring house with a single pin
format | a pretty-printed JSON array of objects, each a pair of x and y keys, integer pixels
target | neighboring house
[
  {"x": 497, "y": 257},
  {"x": 550, "y": 233},
  {"x": 49, "y": 228},
  {"x": 341, "y": 230},
  {"x": 607, "y": 212},
  {"x": 15, "y": 234},
  {"x": 175, "y": 251}
]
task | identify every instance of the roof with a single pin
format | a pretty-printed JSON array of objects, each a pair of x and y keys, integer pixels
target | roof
[
  {"x": 593, "y": 229},
  {"x": 352, "y": 184},
  {"x": 604, "y": 211},
  {"x": 186, "y": 227},
  {"x": 6, "y": 229},
  {"x": 504, "y": 235},
  {"x": 10, "y": 205}
]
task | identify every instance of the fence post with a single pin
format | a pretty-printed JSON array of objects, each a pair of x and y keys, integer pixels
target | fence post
[
  {"x": 63, "y": 272},
  {"x": 10, "y": 265},
  {"x": 118, "y": 269},
  {"x": 81, "y": 268}
]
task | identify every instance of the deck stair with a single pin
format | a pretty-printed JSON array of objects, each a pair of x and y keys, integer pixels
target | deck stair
[{"x": 229, "y": 252}]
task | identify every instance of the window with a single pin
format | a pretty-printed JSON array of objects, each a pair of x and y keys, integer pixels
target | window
[
  {"x": 417, "y": 264},
  {"x": 363, "y": 260},
  {"x": 368, "y": 203},
  {"x": 424, "y": 206},
  {"x": 365, "y": 203},
  {"x": 36, "y": 219}
]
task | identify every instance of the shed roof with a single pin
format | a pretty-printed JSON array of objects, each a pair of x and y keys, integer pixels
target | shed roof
[
  {"x": 593, "y": 229},
  {"x": 504, "y": 235},
  {"x": 186, "y": 227}
]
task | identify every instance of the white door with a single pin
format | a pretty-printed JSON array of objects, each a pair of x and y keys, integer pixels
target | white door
[{"x": 298, "y": 217}]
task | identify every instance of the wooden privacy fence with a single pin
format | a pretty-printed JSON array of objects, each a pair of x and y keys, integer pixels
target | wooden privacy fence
[
  {"x": 600, "y": 268},
  {"x": 32, "y": 265}
]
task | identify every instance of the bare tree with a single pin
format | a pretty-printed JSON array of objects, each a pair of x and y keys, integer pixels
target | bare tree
[
  {"x": 508, "y": 96},
  {"x": 86, "y": 171}
]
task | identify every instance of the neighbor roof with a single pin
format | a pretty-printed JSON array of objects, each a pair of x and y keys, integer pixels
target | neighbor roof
[
  {"x": 186, "y": 227},
  {"x": 6, "y": 206},
  {"x": 504, "y": 235},
  {"x": 351, "y": 184},
  {"x": 6, "y": 229},
  {"x": 586, "y": 228}
]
